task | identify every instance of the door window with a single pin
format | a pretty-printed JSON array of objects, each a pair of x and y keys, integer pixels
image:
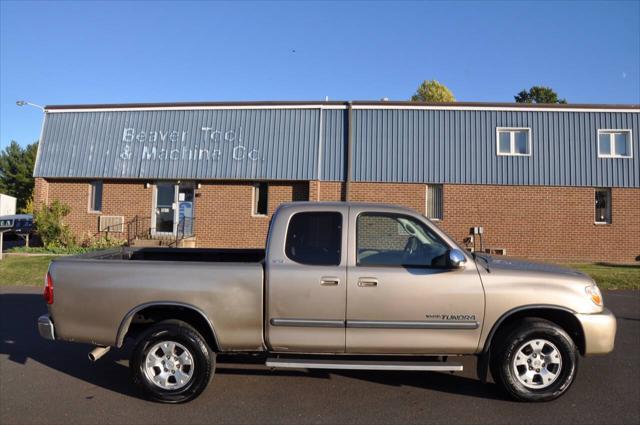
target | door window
[
  {"x": 315, "y": 238},
  {"x": 397, "y": 240},
  {"x": 185, "y": 210},
  {"x": 165, "y": 196}
]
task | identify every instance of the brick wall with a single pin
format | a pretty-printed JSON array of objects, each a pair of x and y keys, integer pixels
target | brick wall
[
  {"x": 223, "y": 212},
  {"x": 122, "y": 198},
  {"x": 40, "y": 191},
  {"x": 547, "y": 223},
  {"x": 552, "y": 223},
  {"x": 326, "y": 191}
]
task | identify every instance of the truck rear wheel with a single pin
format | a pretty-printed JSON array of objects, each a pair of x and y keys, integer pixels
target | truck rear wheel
[
  {"x": 536, "y": 361},
  {"x": 171, "y": 362}
]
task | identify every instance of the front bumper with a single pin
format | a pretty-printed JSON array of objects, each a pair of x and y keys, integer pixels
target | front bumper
[
  {"x": 599, "y": 332},
  {"x": 46, "y": 328}
]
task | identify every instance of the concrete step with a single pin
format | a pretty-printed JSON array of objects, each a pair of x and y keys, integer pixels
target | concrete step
[{"x": 146, "y": 243}]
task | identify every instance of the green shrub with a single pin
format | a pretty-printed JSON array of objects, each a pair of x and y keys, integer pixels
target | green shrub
[
  {"x": 51, "y": 250},
  {"x": 102, "y": 242},
  {"x": 52, "y": 230}
]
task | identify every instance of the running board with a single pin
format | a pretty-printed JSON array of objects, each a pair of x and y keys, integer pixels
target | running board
[{"x": 363, "y": 365}]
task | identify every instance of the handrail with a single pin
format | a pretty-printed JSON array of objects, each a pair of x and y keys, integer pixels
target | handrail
[{"x": 142, "y": 228}]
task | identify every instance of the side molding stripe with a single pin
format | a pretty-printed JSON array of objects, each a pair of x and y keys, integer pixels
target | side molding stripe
[
  {"x": 309, "y": 323},
  {"x": 393, "y": 324},
  {"x": 376, "y": 324}
]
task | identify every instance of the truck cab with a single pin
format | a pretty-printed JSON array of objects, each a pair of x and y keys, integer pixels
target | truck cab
[{"x": 367, "y": 279}]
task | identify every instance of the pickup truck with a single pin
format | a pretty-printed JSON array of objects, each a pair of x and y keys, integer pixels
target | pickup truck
[{"x": 340, "y": 286}]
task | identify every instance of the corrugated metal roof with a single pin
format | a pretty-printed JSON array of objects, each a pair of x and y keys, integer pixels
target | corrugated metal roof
[
  {"x": 298, "y": 141},
  {"x": 339, "y": 103}
]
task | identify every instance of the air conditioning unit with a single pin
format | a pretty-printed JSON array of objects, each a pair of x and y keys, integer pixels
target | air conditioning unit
[{"x": 111, "y": 224}]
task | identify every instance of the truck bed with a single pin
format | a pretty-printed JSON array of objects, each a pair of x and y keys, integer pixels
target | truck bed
[{"x": 98, "y": 292}]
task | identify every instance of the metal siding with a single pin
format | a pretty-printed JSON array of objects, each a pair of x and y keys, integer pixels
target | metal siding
[
  {"x": 459, "y": 146},
  {"x": 394, "y": 145},
  {"x": 333, "y": 145},
  {"x": 90, "y": 144}
]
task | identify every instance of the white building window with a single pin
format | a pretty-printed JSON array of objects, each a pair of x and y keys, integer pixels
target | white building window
[
  {"x": 260, "y": 199},
  {"x": 513, "y": 141},
  {"x": 614, "y": 144},
  {"x": 434, "y": 202},
  {"x": 603, "y": 206}
]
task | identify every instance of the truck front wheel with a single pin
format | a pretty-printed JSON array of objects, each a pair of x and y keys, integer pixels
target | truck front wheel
[
  {"x": 536, "y": 361},
  {"x": 171, "y": 362}
]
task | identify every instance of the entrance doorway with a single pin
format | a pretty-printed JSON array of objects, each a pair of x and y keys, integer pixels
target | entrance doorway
[{"x": 173, "y": 209}]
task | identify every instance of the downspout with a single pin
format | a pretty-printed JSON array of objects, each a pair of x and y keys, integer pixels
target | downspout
[
  {"x": 349, "y": 151},
  {"x": 320, "y": 143}
]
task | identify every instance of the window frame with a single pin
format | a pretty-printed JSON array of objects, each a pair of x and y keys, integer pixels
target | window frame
[
  {"x": 609, "y": 206},
  {"x": 426, "y": 204},
  {"x": 341, "y": 237},
  {"x": 255, "y": 199},
  {"x": 512, "y": 140},
  {"x": 91, "y": 200},
  {"x": 610, "y": 132},
  {"x": 393, "y": 214}
]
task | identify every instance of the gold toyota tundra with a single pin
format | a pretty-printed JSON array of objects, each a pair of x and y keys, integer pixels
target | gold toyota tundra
[{"x": 339, "y": 286}]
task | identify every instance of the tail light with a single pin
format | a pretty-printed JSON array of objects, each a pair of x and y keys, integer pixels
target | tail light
[{"x": 48, "y": 289}]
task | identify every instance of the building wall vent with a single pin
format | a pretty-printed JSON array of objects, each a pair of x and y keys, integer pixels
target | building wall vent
[
  {"x": 111, "y": 223},
  {"x": 496, "y": 251}
]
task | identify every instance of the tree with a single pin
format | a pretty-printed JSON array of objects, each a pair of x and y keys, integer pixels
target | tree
[
  {"x": 538, "y": 94},
  {"x": 16, "y": 172},
  {"x": 432, "y": 91}
]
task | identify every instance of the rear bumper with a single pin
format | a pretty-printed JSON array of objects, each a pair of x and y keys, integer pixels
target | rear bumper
[
  {"x": 46, "y": 328},
  {"x": 599, "y": 332}
]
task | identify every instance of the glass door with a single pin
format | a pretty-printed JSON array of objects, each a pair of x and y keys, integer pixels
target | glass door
[
  {"x": 165, "y": 208},
  {"x": 185, "y": 210}
]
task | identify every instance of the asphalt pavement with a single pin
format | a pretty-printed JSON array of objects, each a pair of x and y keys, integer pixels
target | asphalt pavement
[{"x": 54, "y": 383}]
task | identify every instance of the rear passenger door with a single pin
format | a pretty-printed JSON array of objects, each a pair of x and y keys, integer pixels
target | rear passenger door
[{"x": 306, "y": 281}]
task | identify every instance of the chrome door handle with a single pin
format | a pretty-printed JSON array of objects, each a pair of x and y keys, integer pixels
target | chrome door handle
[
  {"x": 367, "y": 281},
  {"x": 329, "y": 281}
]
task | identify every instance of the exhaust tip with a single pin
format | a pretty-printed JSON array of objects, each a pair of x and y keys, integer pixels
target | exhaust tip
[{"x": 97, "y": 353}]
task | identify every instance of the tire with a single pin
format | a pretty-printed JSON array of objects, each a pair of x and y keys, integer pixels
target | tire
[
  {"x": 171, "y": 362},
  {"x": 535, "y": 361}
]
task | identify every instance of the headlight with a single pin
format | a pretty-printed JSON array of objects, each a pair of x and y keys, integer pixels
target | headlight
[{"x": 594, "y": 292}]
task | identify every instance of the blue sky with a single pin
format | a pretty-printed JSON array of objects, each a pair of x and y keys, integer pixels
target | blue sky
[{"x": 112, "y": 52}]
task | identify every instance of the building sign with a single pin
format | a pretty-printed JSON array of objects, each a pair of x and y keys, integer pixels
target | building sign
[
  {"x": 168, "y": 145},
  {"x": 188, "y": 144}
]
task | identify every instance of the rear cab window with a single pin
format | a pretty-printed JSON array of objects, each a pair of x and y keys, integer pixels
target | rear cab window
[{"x": 315, "y": 238}]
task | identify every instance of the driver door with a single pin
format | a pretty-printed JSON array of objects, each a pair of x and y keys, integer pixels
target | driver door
[{"x": 401, "y": 297}]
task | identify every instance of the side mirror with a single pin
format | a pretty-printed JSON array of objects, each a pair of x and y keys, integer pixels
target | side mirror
[{"x": 456, "y": 259}]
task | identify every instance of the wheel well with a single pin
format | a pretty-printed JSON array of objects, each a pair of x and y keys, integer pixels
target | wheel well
[
  {"x": 563, "y": 318},
  {"x": 157, "y": 313}
]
